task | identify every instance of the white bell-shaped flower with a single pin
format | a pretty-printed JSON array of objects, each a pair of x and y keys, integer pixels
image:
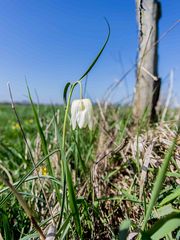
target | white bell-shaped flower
[{"x": 82, "y": 113}]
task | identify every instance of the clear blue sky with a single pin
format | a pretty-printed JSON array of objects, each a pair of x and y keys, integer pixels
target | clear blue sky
[{"x": 52, "y": 42}]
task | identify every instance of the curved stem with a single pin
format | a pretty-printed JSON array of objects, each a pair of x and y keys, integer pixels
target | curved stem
[
  {"x": 66, "y": 115},
  {"x": 81, "y": 89},
  {"x": 63, "y": 151}
]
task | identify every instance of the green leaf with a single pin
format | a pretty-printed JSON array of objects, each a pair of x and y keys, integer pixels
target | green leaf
[
  {"x": 173, "y": 174},
  {"x": 178, "y": 235},
  {"x": 112, "y": 173},
  {"x": 40, "y": 130},
  {"x": 65, "y": 227},
  {"x": 164, "y": 226},
  {"x": 159, "y": 181},
  {"x": 29, "y": 236},
  {"x": 65, "y": 93},
  {"x": 124, "y": 229},
  {"x": 100, "y": 52},
  {"x": 171, "y": 197},
  {"x": 129, "y": 196},
  {"x": 165, "y": 210},
  {"x": 6, "y": 226},
  {"x": 72, "y": 200}
]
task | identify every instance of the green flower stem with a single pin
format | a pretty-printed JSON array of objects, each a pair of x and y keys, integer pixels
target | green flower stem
[
  {"x": 66, "y": 114},
  {"x": 63, "y": 151},
  {"x": 81, "y": 89}
]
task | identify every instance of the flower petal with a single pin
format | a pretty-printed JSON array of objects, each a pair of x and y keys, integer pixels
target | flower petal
[
  {"x": 82, "y": 113},
  {"x": 73, "y": 122},
  {"x": 74, "y": 112},
  {"x": 82, "y": 119}
]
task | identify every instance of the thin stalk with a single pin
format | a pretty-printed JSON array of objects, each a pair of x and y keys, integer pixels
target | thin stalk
[
  {"x": 81, "y": 90},
  {"x": 63, "y": 151},
  {"x": 67, "y": 174}
]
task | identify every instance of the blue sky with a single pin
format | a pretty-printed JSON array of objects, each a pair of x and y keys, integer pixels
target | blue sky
[{"x": 52, "y": 42}]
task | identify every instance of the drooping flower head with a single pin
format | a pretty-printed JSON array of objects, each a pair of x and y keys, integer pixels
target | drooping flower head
[{"x": 82, "y": 113}]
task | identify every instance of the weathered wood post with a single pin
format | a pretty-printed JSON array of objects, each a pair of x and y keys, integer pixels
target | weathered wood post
[{"x": 147, "y": 81}]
